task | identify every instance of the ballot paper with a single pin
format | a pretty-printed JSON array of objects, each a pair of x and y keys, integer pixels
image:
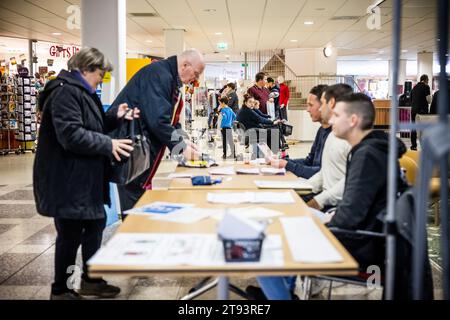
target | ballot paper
[
  {"x": 234, "y": 227},
  {"x": 254, "y": 213},
  {"x": 247, "y": 170},
  {"x": 188, "y": 215},
  {"x": 250, "y": 197},
  {"x": 307, "y": 242},
  {"x": 170, "y": 249},
  {"x": 258, "y": 161},
  {"x": 159, "y": 207},
  {"x": 180, "y": 175},
  {"x": 222, "y": 171},
  {"x": 283, "y": 184},
  {"x": 274, "y": 171}
]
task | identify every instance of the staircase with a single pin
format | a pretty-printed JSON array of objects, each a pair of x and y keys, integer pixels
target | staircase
[{"x": 276, "y": 67}]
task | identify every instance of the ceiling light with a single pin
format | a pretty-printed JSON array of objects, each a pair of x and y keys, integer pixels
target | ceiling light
[
  {"x": 218, "y": 33},
  {"x": 320, "y": 9},
  {"x": 149, "y": 41},
  {"x": 294, "y": 40},
  {"x": 404, "y": 50},
  {"x": 56, "y": 33},
  {"x": 308, "y": 23},
  {"x": 209, "y": 10},
  {"x": 378, "y": 59}
]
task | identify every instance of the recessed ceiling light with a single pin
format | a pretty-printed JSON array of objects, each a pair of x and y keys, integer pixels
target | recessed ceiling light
[
  {"x": 378, "y": 59},
  {"x": 218, "y": 33},
  {"x": 209, "y": 10},
  {"x": 294, "y": 40},
  {"x": 308, "y": 23},
  {"x": 56, "y": 33},
  {"x": 320, "y": 9},
  {"x": 404, "y": 50},
  {"x": 149, "y": 41}
]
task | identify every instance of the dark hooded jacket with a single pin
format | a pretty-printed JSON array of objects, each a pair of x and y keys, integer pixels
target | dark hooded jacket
[
  {"x": 70, "y": 173},
  {"x": 365, "y": 197}
]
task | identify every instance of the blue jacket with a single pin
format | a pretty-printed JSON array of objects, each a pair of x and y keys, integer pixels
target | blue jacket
[
  {"x": 310, "y": 165},
  {"x": 228, "y": 117}
]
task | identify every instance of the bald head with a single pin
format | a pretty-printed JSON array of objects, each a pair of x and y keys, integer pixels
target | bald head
[{"x": 190, "y": 65}]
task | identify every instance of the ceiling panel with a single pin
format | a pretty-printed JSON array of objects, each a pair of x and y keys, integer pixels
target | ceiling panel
[
  {"x": 170, "y": 8},
  {"x": 285, "y": 8},
  {"x": 336, "y": 25},
  {"x": 354, "y": 8},
  {"x": 248, "y": 8},
  {"x": 141, "y": 6},
  {"x": 318, "y": 39},
  {"x": 321, "y": 8}
]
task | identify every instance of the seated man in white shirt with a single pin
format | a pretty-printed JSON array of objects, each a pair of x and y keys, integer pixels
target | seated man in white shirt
[{"x": 328, "y": 183}]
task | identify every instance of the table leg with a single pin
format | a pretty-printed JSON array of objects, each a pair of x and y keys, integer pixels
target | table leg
[{"x": 222, "y": 289}]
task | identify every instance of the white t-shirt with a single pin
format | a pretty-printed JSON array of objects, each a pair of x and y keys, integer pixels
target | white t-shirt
[{"x": 330, "y": 180}]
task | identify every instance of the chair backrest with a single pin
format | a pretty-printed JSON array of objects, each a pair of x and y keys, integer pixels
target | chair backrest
[
  {"x": 411, "y": 168},
  {"x": 413, "y": 154}
]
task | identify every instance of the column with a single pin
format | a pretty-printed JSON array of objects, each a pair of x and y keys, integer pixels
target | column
[
  {"x": 174, "y": 41},
  {"x": 425, "y": 65},
  {"x": 401, "y": 76},
  {"x": 108, "y": 34}
]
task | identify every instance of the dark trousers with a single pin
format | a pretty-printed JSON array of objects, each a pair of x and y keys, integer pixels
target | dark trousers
[
  {"x": 227, "y": 138},
  {"x": 414, "y": 132},
  {"x": 70, "y": 234},
  {"x": 283, "y": 113}
]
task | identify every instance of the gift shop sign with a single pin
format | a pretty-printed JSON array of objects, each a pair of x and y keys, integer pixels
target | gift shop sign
[{"x": 63, "y": 52}]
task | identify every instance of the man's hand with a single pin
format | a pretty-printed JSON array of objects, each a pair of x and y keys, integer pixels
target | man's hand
[
  {"x": 313, "y": 204},
  {"x": 124, "y": 111},
  {"x": 190, "y": 154},
  {"x": 278, "y": 163},
  {"x": 192, "y": 145},
  {"x": 328, "y": 217}
]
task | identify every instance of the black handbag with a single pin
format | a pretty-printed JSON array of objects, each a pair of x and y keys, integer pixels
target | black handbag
[{"x": 130, "y": 168}]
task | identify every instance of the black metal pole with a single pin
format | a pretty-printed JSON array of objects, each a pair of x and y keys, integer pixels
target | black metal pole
[
  {"x": 443, "y": 21},
  {"x": 392, "y": 157}
]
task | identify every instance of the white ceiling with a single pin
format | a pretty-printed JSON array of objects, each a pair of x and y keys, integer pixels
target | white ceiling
[{"x": 246, "y": 25}]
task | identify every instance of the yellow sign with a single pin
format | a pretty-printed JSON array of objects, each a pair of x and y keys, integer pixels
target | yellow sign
[{"x": 107, "y": 77}]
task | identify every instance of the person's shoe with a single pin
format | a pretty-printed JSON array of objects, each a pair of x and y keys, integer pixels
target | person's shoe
[
  {"x": 70, "y": 295},
  {"x": 414, "y": 148},
  {"x": 255, "y": 293},
  {"x": 224, "y": 156},
  {"x": 100, "y": 289}
]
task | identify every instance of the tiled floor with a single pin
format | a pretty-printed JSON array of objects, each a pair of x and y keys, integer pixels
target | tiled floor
[{"x": 27, "y": 246}]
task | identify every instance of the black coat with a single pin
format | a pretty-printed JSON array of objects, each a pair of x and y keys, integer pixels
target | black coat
[
  {"x": 70, "y": 173},
  {"x": 250, "y": 119},
  {"x": 365, "y": 196}
]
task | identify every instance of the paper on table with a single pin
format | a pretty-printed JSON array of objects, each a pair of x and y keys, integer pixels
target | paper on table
[
  {"x": 307, "y": 242},
  {"x": 166, "y": 249},
  {"x": 273, "y": 171},
  {"x": 235, "y": 226},
  {"x": 258, "y": 161},
  {"x": 188, "y": 215},
  {"x": 180, "y": 175},
  {"x": 255, "y": 213},
  {"x": 250, "y": 197},
  {"x": 159, "y": 207},
  {"x": 222, "y": 171},
  {"x": 285, "y": 184},
  {"x": 247, "y": 170}
]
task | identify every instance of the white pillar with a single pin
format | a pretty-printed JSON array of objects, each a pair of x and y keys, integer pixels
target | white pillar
[
  {"x": 401, "y": 75},
  {"x": 103, "y": 26},
  {"x": 174, "y": 41},
  {"x": 425, "y": 65}
]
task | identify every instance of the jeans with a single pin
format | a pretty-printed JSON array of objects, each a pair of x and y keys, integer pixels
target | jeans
[
  {"x": 277, "y": 288},
  {"x": 70, "y": 234}
]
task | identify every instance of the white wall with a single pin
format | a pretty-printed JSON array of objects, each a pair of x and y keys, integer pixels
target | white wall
[{"x": 311, "y": 61}]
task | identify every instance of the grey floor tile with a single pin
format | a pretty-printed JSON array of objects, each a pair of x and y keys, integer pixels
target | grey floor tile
[
  {"x": 37, "y": 273},
  {"x": 18, "y": 292},
  {"x": 159, "y": 281},
  {"x": 11, "y": 263},
  {"x": 18, "y": 195},
  {"x": 21, "y": 211},
  {"x": 6, "y": 227},
  {"x": 154, "y": 293},
  {"x": 45, "y": 236}
]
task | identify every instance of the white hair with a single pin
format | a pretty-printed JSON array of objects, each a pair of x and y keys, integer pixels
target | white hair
[
  {"x": 191, "y": 55},
  {"x": 280, "y": 79}
]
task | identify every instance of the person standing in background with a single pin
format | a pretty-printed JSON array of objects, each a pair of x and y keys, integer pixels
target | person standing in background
[
  {"x": 259, "y": 91},
  {"x": 420, "y": 98},
  {"x": 233, "y": 101},
  {"x": 226, "y": 123},
  {"x": 284, "y": 98}
]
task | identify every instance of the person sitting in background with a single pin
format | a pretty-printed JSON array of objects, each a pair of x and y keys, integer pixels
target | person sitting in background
[
  {"x": 307, "y": 167},
  {"x": 365, "y": 187},
  {"x": 256, "y": 109},
  {"x": 226, "y": 124},
  {"x": 328, "y": 182}
]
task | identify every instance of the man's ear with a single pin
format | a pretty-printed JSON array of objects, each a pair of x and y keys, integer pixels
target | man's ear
[
  {"x": 354, "y": 121},
  {"x": 332, "y": 103}
]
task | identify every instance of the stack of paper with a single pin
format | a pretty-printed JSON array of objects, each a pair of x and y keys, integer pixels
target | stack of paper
[
  {"x": 284, "y": 184},
  {"x": 180, "y": 175},
  {"x": 250, "y": 197},
  {"x": 254, "y": 213},
  {"x": 188, "y": 215},
  {"x": 222, "y": 171},
  {"x": 166, "y": 249},
  {"x": 247, "y": 170},
  {"x": 258, "y": 161},
  {"x": 234, "y": 226},
  {"x": 273, "y": 171},
  {"x": 307, "y": 242}
]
